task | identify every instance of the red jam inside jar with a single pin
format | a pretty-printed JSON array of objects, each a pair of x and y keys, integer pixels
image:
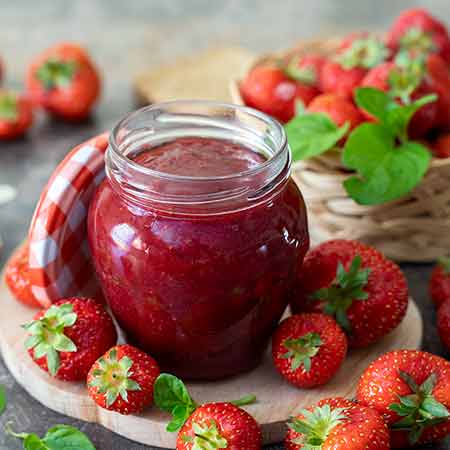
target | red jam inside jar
[{"x": 197, "y": 234}]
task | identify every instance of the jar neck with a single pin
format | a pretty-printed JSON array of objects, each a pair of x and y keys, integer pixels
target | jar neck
[{"x": 159, "y": 124}]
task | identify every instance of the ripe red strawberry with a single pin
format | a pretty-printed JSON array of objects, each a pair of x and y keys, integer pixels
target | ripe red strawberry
[
  {"x": 220, "y": 425},
  {"x": 337, "y": 424},
  {"x": 358, "y": 53},
  {"x": 366, "y": 292},
  {"x": 66, "y": 339},
  {"x": 122, "y": 380},
  {"x": 306, "y": 69},
  {"x": 441, "y": 147},
  {"x": 308, "y": 349},
  {"x": 411, "y": 389},
  {"x": 443, "y": 323},
  {"x": 439, "y": 286},
  {"x": 438, "y": 76},
  {"x": 64, "y": 81},
  {"x": 270, "y": 90},
  {"x": 16, "y": 115},
  {"x": 18, "y": 279},
  {"x": 417, "y": 30},
  {"x": 212, "y": 425},
  {"x": 339, "y": 110},
  {"x": 406, "y": 83}
]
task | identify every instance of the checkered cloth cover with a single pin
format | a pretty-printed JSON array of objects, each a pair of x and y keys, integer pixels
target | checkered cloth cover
[{"x": 59, "y": 259}]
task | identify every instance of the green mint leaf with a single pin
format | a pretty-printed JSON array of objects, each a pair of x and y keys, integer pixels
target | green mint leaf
[
  {"x": 374, "y": 101},
  {"x": 385, "y": 172},
  {"x": 2, "y": 399},
  {"x": 64, "y": 437},
  {"x": 171, "y": 395},
  {"x": 312, "y": 134},
  {"x": 33, "y": 442},
  {"x": 169, "y": 392}
]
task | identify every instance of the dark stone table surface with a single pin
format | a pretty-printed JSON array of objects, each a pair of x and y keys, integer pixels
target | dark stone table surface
[{"x": 125, "y": 38}]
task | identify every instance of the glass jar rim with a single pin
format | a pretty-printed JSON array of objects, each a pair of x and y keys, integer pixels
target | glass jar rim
[{"x": 272, "y": 123}]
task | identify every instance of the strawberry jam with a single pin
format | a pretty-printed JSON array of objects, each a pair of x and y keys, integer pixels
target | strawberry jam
[{"x": 197, "y": 233}]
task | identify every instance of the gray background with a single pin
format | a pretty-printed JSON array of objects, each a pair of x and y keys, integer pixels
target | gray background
[{"x": 126, "y": 37}]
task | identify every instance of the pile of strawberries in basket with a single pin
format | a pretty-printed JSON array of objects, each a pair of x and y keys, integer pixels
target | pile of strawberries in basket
[
  {"x": 410, "y": 61},
  {"x": 348, "y": 295}
]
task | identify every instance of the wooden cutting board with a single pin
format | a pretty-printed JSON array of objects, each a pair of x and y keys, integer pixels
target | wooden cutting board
[
  {"x": 277, "y": 400},
  {"x": 204, "y": 76}
]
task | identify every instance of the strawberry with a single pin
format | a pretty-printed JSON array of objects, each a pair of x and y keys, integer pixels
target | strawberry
[
  {"x": 366, "y": 292},
  {"x": 67, "y": 338},
  {"x": 219, "y": 425},
  {"x": 64, "y": 81},
  {"x": 441, "y": 146},
  {"x": 438, "y": 77},
  {"x": 439, "y": 286},
  {"x": 338, "y": 424},
  {"x": 17, "y": 277},
  {"x": 122, "y": 380},
  {"x": 417, "y": 30},
  {"x": 405, "y": 83},
  {"x": 269, "y": 89},
  {"x": 357, "y": 54},
  {"x": 209, "y": 426},
  {"x": 16, "y": 115},
  {"x": 411, "y": 389},
  {"x": 443, "y": 323},
  {"x": 339, "y": 109},
  {"x": 308, "y": 349},
  {"x": 306, "y": 69}
]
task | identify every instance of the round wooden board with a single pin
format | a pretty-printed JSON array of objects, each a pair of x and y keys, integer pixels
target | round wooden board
[{"x": 277, "y": 400}]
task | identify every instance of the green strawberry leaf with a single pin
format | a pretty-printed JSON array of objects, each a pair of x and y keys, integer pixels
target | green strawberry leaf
[
  {"x": 8, "y": 107},
  {"x": 171, "y": 395},
  {"x": 3, "y": 400},
  {"x": 56, "y": 74},
  {"x": 386, "y": 172},
  {"x": 312, "y": 134},
  {"x": 59, "y": 437}
]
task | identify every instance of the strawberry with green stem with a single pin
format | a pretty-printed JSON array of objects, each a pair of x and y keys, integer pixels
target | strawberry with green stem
[
  {"x": 337, "y": 424},
  {"x": 67, "y": 338},
  {"x": 411, "y": 389},
  {"x": 16, "y": 115},
  {"x": 308, "y": 349},
  {"x": 209, "y": 426},
  {"x": 122, "y": 380},
  {"x": 365, "y": 292},
  {"x": 344, "y": 73},
  {"x": 64, "y": 81}
]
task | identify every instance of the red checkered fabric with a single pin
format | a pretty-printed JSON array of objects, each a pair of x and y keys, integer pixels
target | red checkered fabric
[{"x": 59, "y": 259}]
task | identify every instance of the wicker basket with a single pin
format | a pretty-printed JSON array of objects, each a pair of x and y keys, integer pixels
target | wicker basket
[{"x": 415, "y": 228}]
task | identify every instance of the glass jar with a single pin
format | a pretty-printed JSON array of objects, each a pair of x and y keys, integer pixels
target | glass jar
[{"x": 197, "y": 260}]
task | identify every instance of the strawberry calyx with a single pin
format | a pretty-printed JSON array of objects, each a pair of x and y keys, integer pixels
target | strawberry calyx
[
  {"x": 8, "y": 107},
  {"x": 406, "y": 77},
  {"x": 47, "y": 336},
  {"x": 343, "y": 291},
  {"x": 419, "y": 409},
  {"x": 171, "y": 395},
  {"x": 207, "y": 437},
  {"x": 55, "y": 73},
  {"x": 365, "y": 52},
  {"x": 417, "y": 41},
  {"x": 316, "y": 426},
  {"x": 444, "y": 263},
  {"x": 306, "y": 75},
  {"x": 301, "y": 350},
  {"x": 112, "y": 377}
]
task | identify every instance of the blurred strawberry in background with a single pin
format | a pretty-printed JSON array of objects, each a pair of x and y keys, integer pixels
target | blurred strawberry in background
[{"x": 64, "y": 81}]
